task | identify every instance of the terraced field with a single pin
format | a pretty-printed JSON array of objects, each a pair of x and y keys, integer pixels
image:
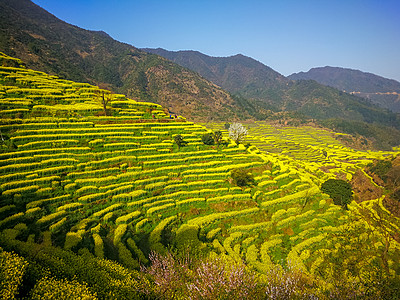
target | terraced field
[{"x": 119, "y": 186}]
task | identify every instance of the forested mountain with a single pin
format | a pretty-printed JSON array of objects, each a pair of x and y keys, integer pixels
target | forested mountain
[
  {"x": 248, "y": 78},
  {"x": 48, "y": 44},
  {"x": 382, "y": 91},
  {"x": 236, "y": 74}
]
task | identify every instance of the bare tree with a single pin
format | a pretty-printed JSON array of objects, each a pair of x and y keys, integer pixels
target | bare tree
[{"x": 104, "y": 97}]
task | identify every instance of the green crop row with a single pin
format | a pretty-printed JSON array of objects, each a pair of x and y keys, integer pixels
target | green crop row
[
  {"x": 104, "y": 195},
  {"x": 128, "y": 217},
  {"x": 21, "y": 183},
  {"x": 36, "y": 165},
  {"x": 128, "y": 197},
  {"x": 45, "y": 220},
  {"x": 118, "y": 146},
  {"x": 178, "y": 155},
  {"x": 158, "y": 209},
  {"x": 155, "y": 240},
  {"x": 229, "y": 197},
  {"x": 58, "y": 199},
  {"x": 204, "y": 220},
  {"x": 92, "y": 173},
  {"x": 291, "y": 197},
  {"x": 108, "y": 209}
]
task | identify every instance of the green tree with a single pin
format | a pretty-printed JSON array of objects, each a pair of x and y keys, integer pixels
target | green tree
[
  {"x": 242, "y": 177},
  {"x": 339, "y": 190},
  {"x": 179, "y": 141},
  {"x": 208, "y": 139}
]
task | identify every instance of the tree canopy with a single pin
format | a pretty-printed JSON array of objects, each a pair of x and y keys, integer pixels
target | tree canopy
[{"x": 339, "y": 190}]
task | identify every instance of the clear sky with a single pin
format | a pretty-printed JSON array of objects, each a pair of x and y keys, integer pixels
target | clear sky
[{"x": 287, "y": 35}]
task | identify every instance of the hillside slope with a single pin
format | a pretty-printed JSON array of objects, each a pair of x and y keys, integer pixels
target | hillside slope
[
  {"x": 382, "y": 91},
  {"x": 48, "y": 44},
  {"x": 80, "y": 191}
]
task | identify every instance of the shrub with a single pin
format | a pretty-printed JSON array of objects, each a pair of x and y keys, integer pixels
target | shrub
[
  {"x": 12, "y": 269},
  {"x": 218, "y": 137},
  {"x": 208, "y": 139},
  {"x": 339, "y": 190},
  {"x": 242, "y": 177},
  {"x": 50, "y": 288},
  {"x": 179, "y": 141}
]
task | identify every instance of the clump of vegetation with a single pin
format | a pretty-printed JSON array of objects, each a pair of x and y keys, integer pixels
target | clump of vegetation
[
  {"x": 179, "y": 141},
  {"x": 212, "y": 138},
  {"x": 208, "y": 139},
  {"x": 218, "y": 137},
  {"x": 242, "y": 177},
  {"x": 339, "y": 190},
  {"x": 380, "y": 168}
]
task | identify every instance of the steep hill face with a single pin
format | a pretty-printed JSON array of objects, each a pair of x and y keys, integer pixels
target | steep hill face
[
  {"x": 382, "y": 91},
  {"x": 46, "y": 43}
]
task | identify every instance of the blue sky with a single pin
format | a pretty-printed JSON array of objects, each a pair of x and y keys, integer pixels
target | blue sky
[{"x": 287, "y": 35}]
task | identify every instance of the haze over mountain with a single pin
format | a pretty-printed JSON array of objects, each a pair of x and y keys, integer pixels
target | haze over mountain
[
  {"x": 382, "y": 91},
  {"x": 48, "y": 44}
]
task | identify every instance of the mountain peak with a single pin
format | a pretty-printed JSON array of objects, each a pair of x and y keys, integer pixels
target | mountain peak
[
  {"x": 382, "y": 91},
  {"x": 233, "y": 73}
]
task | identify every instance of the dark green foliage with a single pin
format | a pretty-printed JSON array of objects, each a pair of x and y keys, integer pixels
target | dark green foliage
[
  {"x": 179, "y": 141},
  {"x": 260, "y": 110},
  {"x": 396, "y": 194},
  {"x": 218, "y": 137},
  {"x": 339, "y": 190},
  {"x": 383, "y": 137},
  {"x": 242, "y": 177},
  {"x": 227, "y": 125},
  {"x": 142, "y": 83},
  {"x": 381, "y": 168},
  {"x": 187, "y": 237},
  {"x": 208, "y": 139}
]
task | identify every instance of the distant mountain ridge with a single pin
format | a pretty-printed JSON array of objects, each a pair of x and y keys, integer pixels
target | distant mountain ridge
[
  {"x": 233, "y": 73},
  {"x": 249, "y": 78},
  {"x": 48, "y": 44},
  {"x": 380, "y": 90}
]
